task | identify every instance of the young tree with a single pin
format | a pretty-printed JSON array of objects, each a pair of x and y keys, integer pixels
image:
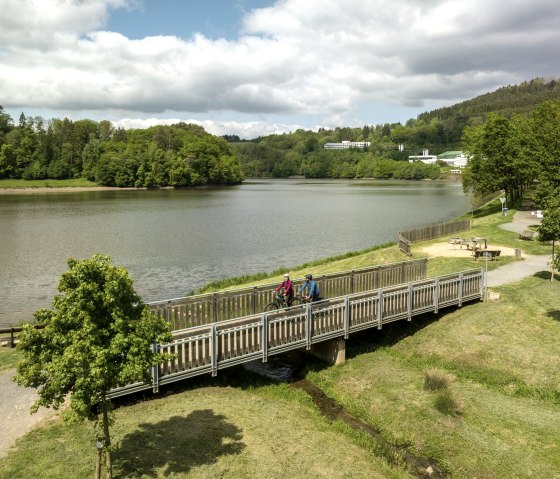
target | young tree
[
  {"x": 98, "y": 335},
  {"x": 549, "y": 230}
]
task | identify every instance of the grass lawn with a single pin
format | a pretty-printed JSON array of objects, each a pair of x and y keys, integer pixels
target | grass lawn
[
  {"x": 268, "y": 431},
  {"x": 8, "y": 358},
  {"x": 74, "y": 183},
  {"x": 504, "y": 356}
]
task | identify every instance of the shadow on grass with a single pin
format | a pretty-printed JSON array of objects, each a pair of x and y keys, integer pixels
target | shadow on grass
[
  {"x": 553, "y": 314},
  {"x": 546, "y": 275},
  {"x": 176, "y": 445}
]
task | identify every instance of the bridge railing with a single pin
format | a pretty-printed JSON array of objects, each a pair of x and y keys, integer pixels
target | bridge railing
[
  {"x": 209, "y": 348},
  {"x": 215, "y": 307}
]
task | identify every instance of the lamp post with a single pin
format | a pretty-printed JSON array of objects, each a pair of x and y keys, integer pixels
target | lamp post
[{"x": 503, "y": 200}]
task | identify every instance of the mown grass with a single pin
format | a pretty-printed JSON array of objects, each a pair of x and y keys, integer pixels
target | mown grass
[
  {"x": 262, "y": 431},
  {"x": 70, "y": 183},
  {"x": 9, "y": 357},
  {"x": 499, "y": 418}
]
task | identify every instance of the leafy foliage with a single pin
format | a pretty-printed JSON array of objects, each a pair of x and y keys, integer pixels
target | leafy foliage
[
  {"x": 98, "y": 335},
  {"x": 176, "y": 155}
]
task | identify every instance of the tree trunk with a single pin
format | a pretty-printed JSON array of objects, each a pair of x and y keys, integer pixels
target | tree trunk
[{"x": 107, "y": 442}]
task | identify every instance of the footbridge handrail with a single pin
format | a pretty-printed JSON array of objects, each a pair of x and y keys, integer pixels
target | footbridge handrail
[{"x": 220, "y": 306}]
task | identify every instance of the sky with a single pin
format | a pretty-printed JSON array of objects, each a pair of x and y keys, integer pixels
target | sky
[{"x": 256, "y": 67}]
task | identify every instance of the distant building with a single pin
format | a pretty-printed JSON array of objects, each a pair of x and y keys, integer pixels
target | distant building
[
  {"x": 453, "y": 158},
  {"x": 425, "y": 157},
  {"x": 345, "y": 145}
]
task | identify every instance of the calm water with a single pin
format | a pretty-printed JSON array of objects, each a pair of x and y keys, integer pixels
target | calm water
[{"x": 175, "y": 241}]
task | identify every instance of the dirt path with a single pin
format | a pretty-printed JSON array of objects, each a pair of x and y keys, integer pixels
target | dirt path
[{"x": 15, "y": 418}]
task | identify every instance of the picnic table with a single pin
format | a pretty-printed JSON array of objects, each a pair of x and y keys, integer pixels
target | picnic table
[
  {"x": 491, "y": 254},
  {"x": 479, "y": 240}
]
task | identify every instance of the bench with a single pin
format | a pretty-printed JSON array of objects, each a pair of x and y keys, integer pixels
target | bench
[
  {"x": 527, "y": 235},
  {"x": 456, "y": 241},
  {"x": 492, "y": 254}
]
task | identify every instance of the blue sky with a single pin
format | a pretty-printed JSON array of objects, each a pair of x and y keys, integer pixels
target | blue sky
[
  {"x": 255, "y": 67},
  {"x": 213, "y": 18}
]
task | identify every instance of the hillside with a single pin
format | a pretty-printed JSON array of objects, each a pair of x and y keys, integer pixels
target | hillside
[
  {"x": 507, "y": 100},
  {"x": 302, "y": 153}
]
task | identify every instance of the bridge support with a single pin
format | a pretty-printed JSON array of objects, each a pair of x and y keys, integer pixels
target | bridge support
[{"x": 332, "y": 351}]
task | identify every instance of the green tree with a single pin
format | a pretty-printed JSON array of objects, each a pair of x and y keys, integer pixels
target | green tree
[
  {"x": 549, "y": 231},
  {"x": 98, "y": 335}
]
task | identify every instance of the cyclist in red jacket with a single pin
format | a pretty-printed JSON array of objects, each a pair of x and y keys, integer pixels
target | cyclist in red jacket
[{"x": 288, "y": 287}]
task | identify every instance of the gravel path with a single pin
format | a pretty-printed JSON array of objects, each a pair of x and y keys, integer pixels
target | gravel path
[
  {"x": 15, "y": 418},
  {"x": 513, "y": 272}
]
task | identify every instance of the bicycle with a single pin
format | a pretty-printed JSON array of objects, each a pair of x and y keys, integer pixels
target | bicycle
[{"x": 279, "y": 302}]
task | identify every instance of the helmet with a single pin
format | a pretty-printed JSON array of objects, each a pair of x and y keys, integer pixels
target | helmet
[
  {"x": 308, "y": 276},
  {"x": 286, "y": 275}
]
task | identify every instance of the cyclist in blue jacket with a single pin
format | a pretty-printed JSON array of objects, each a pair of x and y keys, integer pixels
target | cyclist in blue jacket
[{"x": 312, "y": 288}]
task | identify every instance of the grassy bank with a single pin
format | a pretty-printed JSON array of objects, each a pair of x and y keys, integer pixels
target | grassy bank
[
  {"x": 499, "y": 416},
  {"x": 485, "y": 222},
  {"x": 71, "y": 183}
]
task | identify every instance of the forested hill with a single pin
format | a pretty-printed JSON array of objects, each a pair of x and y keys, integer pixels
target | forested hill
[
  {"x": 505, "y": 101},
  {"x": 177, "y": 155}
]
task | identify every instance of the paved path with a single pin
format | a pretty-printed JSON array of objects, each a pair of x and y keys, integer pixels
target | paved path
[
  {"x": 15, "y": 418},
  {"x": 531, "y": 264}
]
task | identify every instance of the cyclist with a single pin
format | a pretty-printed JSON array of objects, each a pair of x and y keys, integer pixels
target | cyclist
[
  {"x": 312, "y": 288},
  {"x": 288, "y": 289}
]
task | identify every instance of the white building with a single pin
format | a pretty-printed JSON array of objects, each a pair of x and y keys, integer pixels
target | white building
[
  {"x": 456, "y": 159},
  {"x": 425, "y": 157},
  {"x": 345, "y": 145}
]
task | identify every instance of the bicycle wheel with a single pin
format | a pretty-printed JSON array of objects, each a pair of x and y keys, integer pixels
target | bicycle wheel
[
  {"x": 271, "y": 306},
  {"x": 295, "y": 301}
]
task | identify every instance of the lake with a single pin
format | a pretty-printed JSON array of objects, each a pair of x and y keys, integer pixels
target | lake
[{"x": 174, "y": 241}]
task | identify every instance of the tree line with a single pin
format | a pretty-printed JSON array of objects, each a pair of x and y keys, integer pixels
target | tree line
[
  {"x": 177, "y": 155},
  {"x": 515, "y": 155},
  {"x": 302, "y": 153}
]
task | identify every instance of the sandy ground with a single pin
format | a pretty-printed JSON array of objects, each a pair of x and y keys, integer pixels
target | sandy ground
[
  {"x": 455, "y": 251},
  {"x": 15, "y": 418}
]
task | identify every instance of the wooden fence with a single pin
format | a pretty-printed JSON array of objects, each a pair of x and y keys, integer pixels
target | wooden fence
[
  {"x": 406, "y": 238},
  {"x": 220, "y": 306},
  {"x": 207, "y": 349}
]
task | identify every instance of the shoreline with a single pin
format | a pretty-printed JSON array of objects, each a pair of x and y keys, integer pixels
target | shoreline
[{"x": 62, "y": 189}]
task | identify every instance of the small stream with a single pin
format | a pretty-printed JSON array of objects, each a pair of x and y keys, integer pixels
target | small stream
[{"x": 286, "y": 369}]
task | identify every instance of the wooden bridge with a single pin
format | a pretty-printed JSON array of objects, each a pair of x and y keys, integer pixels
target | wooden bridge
[{"x": 208, "y": 348}]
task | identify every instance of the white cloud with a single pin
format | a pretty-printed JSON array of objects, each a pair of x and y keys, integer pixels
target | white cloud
[{"x": 316, "y": 59}]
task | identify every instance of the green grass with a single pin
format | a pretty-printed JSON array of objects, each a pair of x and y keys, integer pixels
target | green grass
[
  {"x": 263, "y": 431},
  {"x": 499, "y": 418},
  {"x": 74, "y": 183},
  {"x": 9, "y": 357}
]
